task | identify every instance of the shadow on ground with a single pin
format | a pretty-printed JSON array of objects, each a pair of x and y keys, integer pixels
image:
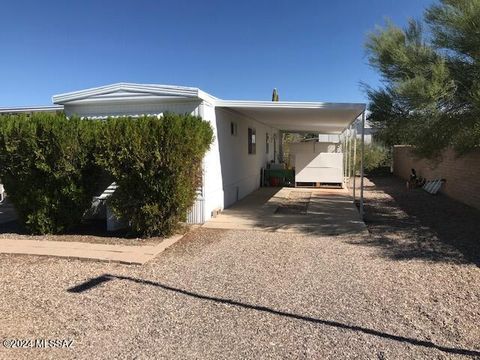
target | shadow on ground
[
  {"x": 105, "y": 278},
  {"x": 409, "y": 224},
  {"x": 313, "y": 212},
  {"x": 95, "y": 227}
]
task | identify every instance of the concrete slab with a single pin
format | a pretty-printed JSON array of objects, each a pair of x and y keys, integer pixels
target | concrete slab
[
  {"x": 81, "y": 250},
  {"x": 294, "y": 210}
]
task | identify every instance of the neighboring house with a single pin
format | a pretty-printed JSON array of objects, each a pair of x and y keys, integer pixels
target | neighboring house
[
  {"x": 31, "y": 109},
  {"x": 247, "y": 133},
  {"x": 369, "y": 131},
  {"x": 26, "y": 110}
]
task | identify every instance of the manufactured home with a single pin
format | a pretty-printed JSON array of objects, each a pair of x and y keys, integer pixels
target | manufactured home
[{"x": 247, "y": 133}]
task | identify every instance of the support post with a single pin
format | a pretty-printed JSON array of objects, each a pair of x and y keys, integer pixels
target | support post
[
  {"x": 349, "y": 145},
  {"x": 362, "y": 154},
  {"x": 354, "y": 160},
  {"x": 280, "y": 149},
  {"x": 344, "y": 156},
  {"x": 350, "y": 152}
]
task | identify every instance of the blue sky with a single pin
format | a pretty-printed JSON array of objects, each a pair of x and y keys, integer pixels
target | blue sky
[{"x": 309, "y": 49}]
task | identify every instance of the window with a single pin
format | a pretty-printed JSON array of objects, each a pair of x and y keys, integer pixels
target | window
[
  {"x": 233, "y": 128},
  {"x": 267, "y": 145},
  {"x": 251, "y": 141}
]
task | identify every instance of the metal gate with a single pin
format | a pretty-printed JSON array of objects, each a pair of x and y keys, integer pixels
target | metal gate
[{"x": 196, "y": 214}]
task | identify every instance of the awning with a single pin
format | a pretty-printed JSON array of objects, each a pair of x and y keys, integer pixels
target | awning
[{"x": 318, "y": 117}]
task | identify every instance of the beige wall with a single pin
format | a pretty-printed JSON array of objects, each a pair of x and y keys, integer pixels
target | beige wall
[{"x": 462, "y": 173}]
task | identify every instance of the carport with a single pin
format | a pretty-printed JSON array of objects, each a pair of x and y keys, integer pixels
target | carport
[
  {"x": 317, "y": 117},
  {"x": 302, "y": 117}
]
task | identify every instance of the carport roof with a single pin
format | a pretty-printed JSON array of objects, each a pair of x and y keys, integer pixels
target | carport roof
[{"x": 319, "y": 117}]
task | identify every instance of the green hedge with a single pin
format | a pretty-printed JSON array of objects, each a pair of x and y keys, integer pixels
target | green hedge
[
  {"x": 157, "y": 165},
  {"x": 52, "y": 166},
  {"x": 48, "y": 168}
]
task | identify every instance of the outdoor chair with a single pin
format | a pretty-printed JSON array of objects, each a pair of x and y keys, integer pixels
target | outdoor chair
[
  {"x": 113, "y": 223},
  {"x": 433, "y": 186},
  {"x": 2, "y": 193}
]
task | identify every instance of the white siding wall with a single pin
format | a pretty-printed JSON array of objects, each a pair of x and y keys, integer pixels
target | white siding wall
[
  {"x": 213, "y": 184},
  {"x": 134, "y": 108},
  {"x": 240, "y": 170}
]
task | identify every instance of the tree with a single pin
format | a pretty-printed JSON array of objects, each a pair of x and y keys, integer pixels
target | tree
[
  {"x": 275, "y": 95},
  {"x": 431, "y": 93}
]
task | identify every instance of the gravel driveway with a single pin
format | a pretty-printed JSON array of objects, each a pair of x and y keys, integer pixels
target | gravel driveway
[{"x": 245, "y": 294}]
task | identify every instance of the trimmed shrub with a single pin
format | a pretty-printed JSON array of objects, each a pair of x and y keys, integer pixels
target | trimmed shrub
[
  {"x": 157, "y": 165},
  {"x": 47, "y": 165}
]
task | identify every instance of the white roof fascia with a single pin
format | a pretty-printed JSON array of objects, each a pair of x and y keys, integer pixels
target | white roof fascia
[
  {"x": 153, "y": 89},
  {"x": 207, "y": 97},
  {"x": 30, "y": 109},
  {"x": 291, "y": 105}
]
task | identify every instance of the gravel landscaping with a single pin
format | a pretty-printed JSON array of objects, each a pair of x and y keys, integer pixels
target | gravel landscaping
[
  {"x": 409, "y": 224},
  {"x": 250, "y": 294}
]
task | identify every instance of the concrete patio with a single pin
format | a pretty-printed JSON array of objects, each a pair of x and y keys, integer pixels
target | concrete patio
[{"x": 294, "y": 210}]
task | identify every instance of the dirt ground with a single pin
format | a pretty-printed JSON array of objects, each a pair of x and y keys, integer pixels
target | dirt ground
[
  {"x": 405, "y": 291},
  {"x": 91, "y": 232},
  {"x": 409, "y": 224}
]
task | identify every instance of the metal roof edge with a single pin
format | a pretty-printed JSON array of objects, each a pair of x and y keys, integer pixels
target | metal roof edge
[
  {"x": 28, "y": 109},
  {"x": 289, "y": 104},
  {"x": 129, "y": 87}
]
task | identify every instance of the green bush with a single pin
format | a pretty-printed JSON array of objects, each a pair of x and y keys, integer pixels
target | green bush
[
  {"x": 52, "y": 166},
  {"x": 47, "y": 165},
  {"x": 156, "y": 163},
  {"x": 376, "y": 157}
]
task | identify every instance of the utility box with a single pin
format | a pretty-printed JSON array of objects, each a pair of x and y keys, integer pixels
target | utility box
[
  {"x": 325, "y": 168},
  {"x": 317, "y": 163}
]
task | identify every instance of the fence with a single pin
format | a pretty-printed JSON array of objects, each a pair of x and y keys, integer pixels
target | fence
[{"x": 462, "y": 173}]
